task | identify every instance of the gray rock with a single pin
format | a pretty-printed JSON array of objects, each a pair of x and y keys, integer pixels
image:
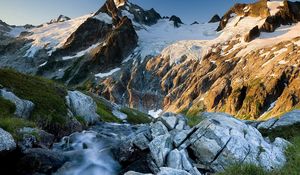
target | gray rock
[
  {"x": 160, "y": 147},
  {"x": 288, "y": 119},
  {"x": 82, "y": 105},
  {"x": 267, "y": 124},
  {"x": 171, "y": 171},
  {"x": 141, "y": 141},
  {"x": 158, "y": 128},
  {"x": 35, "y": 137},
  {"x": 169, "y": 120},
  {"x": 39, "y": 160},
  {"x": 180, "y": 137},
  {"x": 174, "y": 159},
  {"x": 7, "y": 142},
  {"x": 23, "y": 107},
  {"x": 221, "y": 141}
]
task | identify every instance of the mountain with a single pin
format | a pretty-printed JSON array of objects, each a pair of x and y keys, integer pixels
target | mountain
[
  {"x": 127, "y": 91},
  {"x": 135, "y": 57},
  {"x": 249, "y": 69}
]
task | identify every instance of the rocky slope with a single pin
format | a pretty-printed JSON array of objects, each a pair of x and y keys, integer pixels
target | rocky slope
[{"x": 250, "y": 69}]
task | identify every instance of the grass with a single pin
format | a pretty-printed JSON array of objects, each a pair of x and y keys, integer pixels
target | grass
[
  {"x": 6, "y": 107},
  {"x": 194, "y": 117},
  {"x": 106, "y": 113},
  {"x": 284, "y": 132},
  {"x": 48, "y": 97},
  {"x": 136, "y": 117},
  {"x": 13, "y": 125}
]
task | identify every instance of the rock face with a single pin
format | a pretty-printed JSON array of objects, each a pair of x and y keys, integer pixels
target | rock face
[
  {"x": 177, "y": 21},
  {"x": 7, "y": 142},
  {"x": 83, "y": 106},
  {"x": 214, "y": 144},
  {"x": 23, "y": 107},
  {"x": 215, "y": 18},
  {"x": 221, "y": 141},
  {"x": 221, "y": 76}
]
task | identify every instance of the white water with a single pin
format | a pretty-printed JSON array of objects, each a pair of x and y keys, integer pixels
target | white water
[{"x": 89, "y": 154}]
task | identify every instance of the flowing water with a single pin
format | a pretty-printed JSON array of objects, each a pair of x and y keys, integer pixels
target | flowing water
[{"x": 89, "y": 152}]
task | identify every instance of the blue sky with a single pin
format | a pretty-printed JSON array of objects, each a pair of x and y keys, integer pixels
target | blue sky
[{"x": 35, "y": 12}]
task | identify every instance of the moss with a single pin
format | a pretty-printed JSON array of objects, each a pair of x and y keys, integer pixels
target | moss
[
  {"x": 6, "y": 107},
  {"x": 136, "y": 117},
  {"x": 48, "y": 97},
  {"x": 194, "y": 120},
  {"x": 13, "y": 125},
  {"x": 106, "y": 113},
  {"x": 81, "y": 120}
]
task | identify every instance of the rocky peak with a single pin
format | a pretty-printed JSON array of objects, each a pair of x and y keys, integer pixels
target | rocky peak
[
  {"x": 177, "y": 21},
  {"x": 215, "y": 18},
  {"x": 61, "y": 18}
]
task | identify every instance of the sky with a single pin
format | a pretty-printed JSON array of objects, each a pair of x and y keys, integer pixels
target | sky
[{"x": 20, "y": 12}]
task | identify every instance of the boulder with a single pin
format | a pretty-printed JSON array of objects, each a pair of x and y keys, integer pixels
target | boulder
[
  {"x": 160, "y": 148},
  {"x": 220, "y": 141},
  {"x": 169, "y": 120},
  {"x": 83, "y": 106},
  {"x": 7, "y": 142},
  {"x": 33, "y": 137},
  {"x": 39, "y": 160},
  {"x": 288, "y": 119},
  {"x": 174, "y": 159},
  {"x": 23, "y": 107},
  {"x": 158, "y": 128}
]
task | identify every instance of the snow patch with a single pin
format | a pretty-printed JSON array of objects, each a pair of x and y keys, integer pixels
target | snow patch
[
  {"x": 16, "y": 31},
  {"x": 103, "y": 75},
  {"x": 43, "y": 64},
  {"x": 104, "y": 17},
  {"x": 155, "y": 113},
  {"x": 81, "y": 53},
  {"x": 274, "y": 6}
]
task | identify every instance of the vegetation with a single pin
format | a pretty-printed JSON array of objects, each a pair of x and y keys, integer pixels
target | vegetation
[
  {"x": 106, "y": 113},
  {"x": 48, "y": 97},
  {"x": 13, "y": 125},
  {"x": 136, "y": 117},
  {"x": 194, "y": 118}
]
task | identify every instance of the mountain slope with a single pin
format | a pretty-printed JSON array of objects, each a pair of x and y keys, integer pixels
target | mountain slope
[{"x": 250, "y": 69}]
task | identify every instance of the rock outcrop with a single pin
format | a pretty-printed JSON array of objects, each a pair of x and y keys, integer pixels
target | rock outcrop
[
  {"x": 83, "y": 106},
  {"x": 217, "y": 142},
  {"x": 23, "y": 107},
  {"x": 7, "y": 142},
  {"x": 214, "y": 19},
  {"x": 177, "y": 21}
]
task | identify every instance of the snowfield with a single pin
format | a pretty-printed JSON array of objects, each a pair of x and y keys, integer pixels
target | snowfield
[
  {"x": 153, "y": 39},
  {"x": 52, "y": 36}
]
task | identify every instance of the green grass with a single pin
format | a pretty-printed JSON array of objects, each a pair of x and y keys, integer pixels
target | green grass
[
  {"x": 194, "y": 117},
  {"x": 6, "y": 107},
  {"x": 13, "y": 125},
  {"x": 106, "y": 113},
  {"x": 48, "y": 97},
  {"x": 135, "y": 117},
  {"x": 284, "y": 132}
]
